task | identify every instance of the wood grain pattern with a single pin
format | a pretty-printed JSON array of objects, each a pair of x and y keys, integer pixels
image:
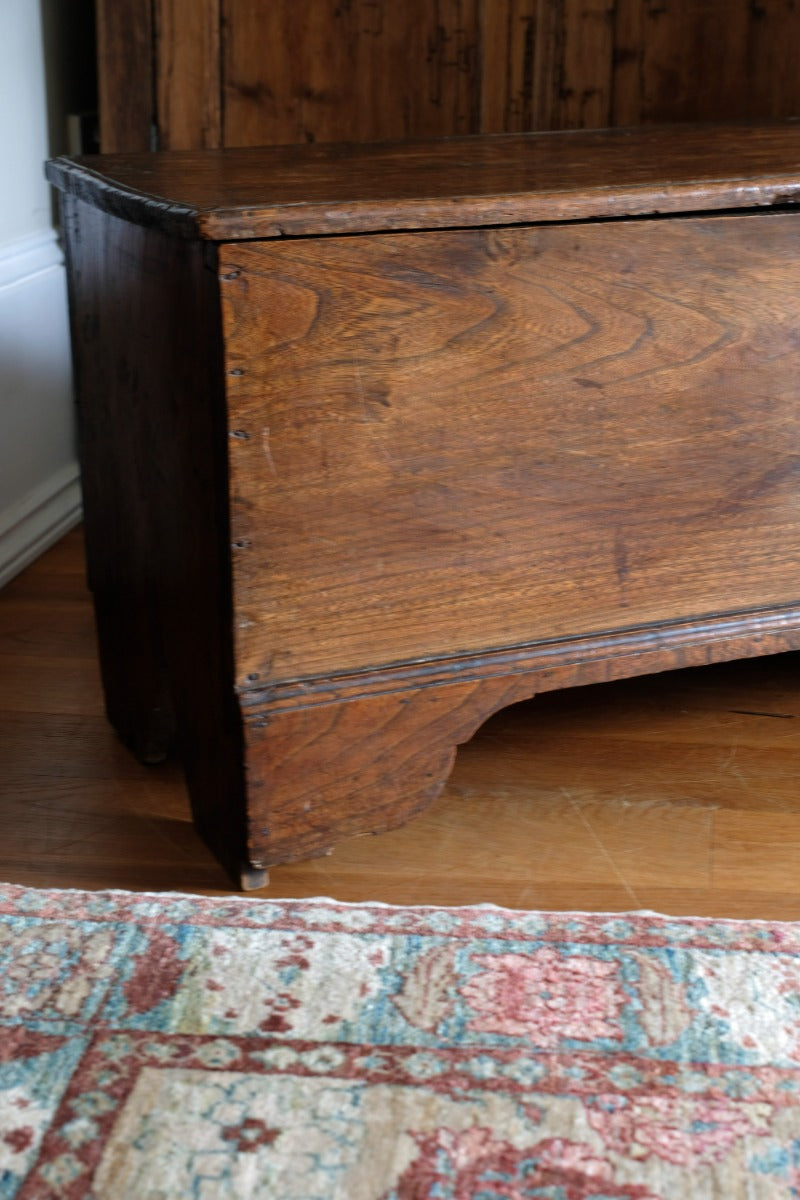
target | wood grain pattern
[
  {"x": 125, "y": 76},
  {"x": 318, "y": 774},
  {"x": 363, "y": 755},
  {"x": 454, "y": 442},
  {"x": 289, "y": 191},
  {"x": 464, "y": 465},
  {"x": 115, "y": 496},
  {"x": 188, "y": 89},
  {"x": 546, "y": 64},
  {"x": 575, "y": 65},
  {"x": 675, "y": 792},
  {"x": 360, "y": 70},
  {"x": 663, "y": 50},
  {"x": 509, "y": 44},
  {"x": 333, "y": 71}
]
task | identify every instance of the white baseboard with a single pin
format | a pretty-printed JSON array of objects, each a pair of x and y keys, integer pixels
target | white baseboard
[
  {"x": 25, "y": 257},
  {"x": 33, "y": 524},
  {"x": 39, "y": 481}
]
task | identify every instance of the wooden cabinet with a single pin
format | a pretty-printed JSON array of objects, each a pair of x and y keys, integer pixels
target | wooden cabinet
[
  {"x": 180, "y": 74},
  {"x": 379, "y": 440}
]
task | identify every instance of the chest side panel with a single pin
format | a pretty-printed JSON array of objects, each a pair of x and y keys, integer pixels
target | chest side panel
[{"x": 448, "y": 442}]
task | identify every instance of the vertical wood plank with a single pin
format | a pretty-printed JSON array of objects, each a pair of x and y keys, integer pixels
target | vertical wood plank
[
  {"x": 681, "y": 44},
  {"x": 549, "y": 53},
  {"x": 255, "y": 75},
  {"x": 573, "y": 60},
  {"x": 705, "y": 61},
  {"x": 188, "y": 74},
  {"x": 349, "y": 70},
  {"x": 773, "y": 40},
  {"x": 508, "y": 74},
  {"x": 125, "y": 75},
  {"x": 147, "y": 349},
  {"x": 586, "y": 66},
  {"x": 629, "y": 63},
  {"x": 333, "y": 70},
  {"x": 453, "y": 104}
]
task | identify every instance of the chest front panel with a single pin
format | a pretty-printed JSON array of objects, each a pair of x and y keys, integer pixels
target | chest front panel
[{"x": 450, "y": 441}]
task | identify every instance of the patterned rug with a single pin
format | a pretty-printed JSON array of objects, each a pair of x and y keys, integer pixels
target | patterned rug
[{"x": 171, "y": 1046}]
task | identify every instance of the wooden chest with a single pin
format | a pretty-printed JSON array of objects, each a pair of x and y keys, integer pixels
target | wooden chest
[{"x": 380, "y": 439}]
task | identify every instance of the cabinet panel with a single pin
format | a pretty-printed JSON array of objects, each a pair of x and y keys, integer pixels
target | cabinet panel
[
  {"x": 188, "y": 99},
  {"x": 125, "y": 74},
  {"x": 446, "y": 442},
  {"x": 196, "y": 73},
  {"x": 705, "y": 60},
  {"x": 349, "y": 71}
]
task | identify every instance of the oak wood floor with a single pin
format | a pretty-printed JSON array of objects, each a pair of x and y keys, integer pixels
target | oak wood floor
[{"x": 677, "y": 793}]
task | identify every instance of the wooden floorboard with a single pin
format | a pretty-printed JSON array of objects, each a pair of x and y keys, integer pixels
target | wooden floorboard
[{"x": 676, "y": 793}]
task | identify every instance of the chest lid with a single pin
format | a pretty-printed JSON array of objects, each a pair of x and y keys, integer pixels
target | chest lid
[{"x": 284, "y": 191}]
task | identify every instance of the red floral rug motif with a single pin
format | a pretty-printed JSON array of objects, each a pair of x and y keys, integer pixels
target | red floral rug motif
[{"x": 175, "y": 1046}]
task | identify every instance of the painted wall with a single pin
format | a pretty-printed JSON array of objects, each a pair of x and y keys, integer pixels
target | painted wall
[{"x": 39, "y": 490}]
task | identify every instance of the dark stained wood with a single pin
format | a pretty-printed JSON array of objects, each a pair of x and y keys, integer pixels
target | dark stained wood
[
  {"x": 114, "y": 494},
  {"x": 361, "y": 70},
  {"x": 331, "y": 71},
  {"x": 126, "y": 82},
  {"x": 664, "y": 53},
  {"x": 158, "y": 74},
  {"x": 188, "y": 89},
  {"x": 277, "y": 191},
  {"x": 574, "y": 65},
  {"x": 146, "y": 346},
  {"x": 547, "y": 64},
  {"x": 773, "y": 85},
  {"x": 348, "y": 496},
  {"x": 560, "y": 664},
  {"x": 509, "y": 44}
]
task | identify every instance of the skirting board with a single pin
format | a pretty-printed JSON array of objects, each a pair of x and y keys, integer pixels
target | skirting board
[
  {"x": 40, "y": 496},
  {"x": 31, "y": 526}
]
